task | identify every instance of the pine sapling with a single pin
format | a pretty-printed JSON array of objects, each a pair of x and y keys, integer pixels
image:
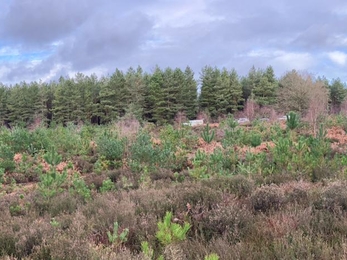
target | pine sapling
[
  {"x": 169, "y": 232},
  {"x": 208, "y": 135},
  {"x": 114, "y": 237},
  {"x": 292, "y": 120}
]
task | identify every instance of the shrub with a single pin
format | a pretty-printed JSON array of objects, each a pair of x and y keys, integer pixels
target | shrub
[
  {"x": 292, "y": 120},
  {"x": 107, "y": 185},
  {"x": 7, "y": 243},
  {"x": 208, "y": 135},
  {"x": 142, "y": 152},
  {"x": 255, "y": 139},
  {"x": 79, "y": 187},
  {"x": 230, "y": 221},
  {"x": 334, "y": 197},
  {"x": 110, "y": 147},
  {"x": 30, "y": 235},
  {"x": 6, "y": 157},
  {"x": 211, "y": 257},
  {"x": 52, "y": 157},
  {"x": 169, "y": 232},
  {"x": 51, "y": 183},
  {"x": 115, "y": 237},
  {"x": 267, "y": 198},
  {"x": 239, "y": 185},
  {"x": 63, "y": 203}
]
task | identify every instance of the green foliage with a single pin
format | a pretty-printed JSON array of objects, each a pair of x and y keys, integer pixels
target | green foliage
[
  {"x": 321, "y": 132},
  {"x": 292, "y": 120},
  {"x": 116, "y": 238},
  {"x": 255, "y": 139},
  {"x": 6, "y": 157},
  {"x": 221, "y": 91},
  {"x": 79, "y": 187},
  {"x": 337, "y": 95},
  {"x": 52, "y": 157},
  {"x": 51, "y": 183},
  {"x": 212, "y": 257},
  {"x": 16, "y": 210},
  {"x": 142, "y": 152},
  {"x": 107, "y": 185},
  {"x": 169, "y": 232},
  {"x": 147, "y": 250},
  {"x": 28, "y": 169},
  {"x": 110, "y": 147},
  {"x": 2, "y": 173},
  {"x": 265, "y": 88},
  {"x": 208, "y": 135},
  {"x": 54, "y": 223}
]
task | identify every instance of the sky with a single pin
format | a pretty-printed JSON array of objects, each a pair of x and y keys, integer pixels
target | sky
[{"x": 41, "y": 40}]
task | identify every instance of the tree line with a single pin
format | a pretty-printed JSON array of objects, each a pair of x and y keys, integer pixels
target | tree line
[{"x": 159, "y": 96}]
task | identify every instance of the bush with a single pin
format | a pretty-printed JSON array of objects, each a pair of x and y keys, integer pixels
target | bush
[
  {"x": 255, "y": 139},
  {"x": 293, "y": 120},
  {"x": 239, "y": 185},
  {"x": 110, "y": 147},
  {"x": 334, "y": 197},
  {"x": 7, "y": 243},
  {"x": 6, "y": 157},
  {"x": 267, "y": 198},
  {"x": 142, "y": 152},
  {"x": 229, "y": 221}
]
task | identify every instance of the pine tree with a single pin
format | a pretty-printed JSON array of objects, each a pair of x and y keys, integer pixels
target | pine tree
[
  {"x": 207, "y": 99},
  {"x": 47, "y": 97},
  {"x": 62, "y": 107},
  {"x": 189, "y": 94},
  {"x": 155, "y": 105},
  {"x": 114, "y": 97},
  {"x": 135, "y": 84},
  {"x": 4, "y": 95},
  {"x": 338, "y": 93},
  {"x": 265, "y": 88},
  {"x": 23, "y": 103},
  {"x": 173, "y": 87},
  {"x": 250, "y": 82}
]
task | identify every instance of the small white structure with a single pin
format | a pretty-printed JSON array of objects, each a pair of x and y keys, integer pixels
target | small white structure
[
  {"x": 195, "y": 122},
  {"x": 243, "y": 120}
]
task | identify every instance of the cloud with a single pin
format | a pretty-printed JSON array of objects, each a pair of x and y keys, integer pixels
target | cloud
[
  {"x": 105, "y": 39},
  {"x": 42, "y": 39},
  {"x": 34, "y": 23},
  {"x": 338, "y": 57}
]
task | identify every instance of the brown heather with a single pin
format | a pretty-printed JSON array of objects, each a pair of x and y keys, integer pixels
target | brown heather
[{"x": 294, "y": 207}]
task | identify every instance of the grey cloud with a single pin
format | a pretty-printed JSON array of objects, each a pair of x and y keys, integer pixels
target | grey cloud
[
  {"x": 36, "y": 22},
  {"x": 106, "y": 39},
  {"x": 110, "y": 34}
]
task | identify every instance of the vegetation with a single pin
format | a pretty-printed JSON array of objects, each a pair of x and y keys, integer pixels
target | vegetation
[
  {"x": 160, "y": 96},
  {"x": 87, "y": 192},
  {"x": 101, "y": 181}
]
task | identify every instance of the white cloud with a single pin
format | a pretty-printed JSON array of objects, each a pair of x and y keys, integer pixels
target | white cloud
[
  {"x": 297, "y": 60},
  {"x": 3, "y": 71},
  {"x": 182, "y": 14},
  {"x": 338, "y": 57}
]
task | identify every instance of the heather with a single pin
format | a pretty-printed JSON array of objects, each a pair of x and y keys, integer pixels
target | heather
[{"x": 132, "y": 190}]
